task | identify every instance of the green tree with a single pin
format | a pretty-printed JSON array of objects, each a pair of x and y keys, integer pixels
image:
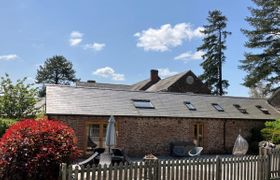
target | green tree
[
  {"x": 271, "y": 132},
  {"x": 213, "y": 46},
  {"x": 258, "y": 91},
  {"x": 17, "y": 100},
  {"x": 55, "y": 70},
  {"x": 264, "y": 63}
]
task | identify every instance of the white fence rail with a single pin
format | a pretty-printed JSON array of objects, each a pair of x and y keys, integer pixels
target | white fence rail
[{"x": 215, "y": 168}]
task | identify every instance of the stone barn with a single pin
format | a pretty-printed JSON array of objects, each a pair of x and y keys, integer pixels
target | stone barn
[{"x": 147, "y": 122}]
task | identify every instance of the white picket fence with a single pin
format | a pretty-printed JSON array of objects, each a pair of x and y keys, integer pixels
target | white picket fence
[{"x": 212, "y": 168}]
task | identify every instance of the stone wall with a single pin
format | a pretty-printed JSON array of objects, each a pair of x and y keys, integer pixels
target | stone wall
[{"x": 141, "y": 135}]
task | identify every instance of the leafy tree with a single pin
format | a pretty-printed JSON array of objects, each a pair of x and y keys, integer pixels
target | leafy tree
[
  {"x": 271, "y": 132},
  {"x": 264, "y": 63},
  {"x": 33, "y": 149},
  {"x": 17, "y": 100},
  {"x": 55, "y": 70},
  {"x": 258, "y": 91},
  {"x": 213, "y": 46}
]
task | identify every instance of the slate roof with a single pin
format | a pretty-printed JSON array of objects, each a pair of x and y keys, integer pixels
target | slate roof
[
  {"x": 275, "y": 99},
  {"x": 68, "y": 100},
  {"x": 164, "y": 84},
  {"x": 139, "y": 85},
  {"x": 103, "y": 85}
]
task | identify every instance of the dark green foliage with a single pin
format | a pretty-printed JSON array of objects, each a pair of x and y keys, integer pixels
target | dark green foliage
[
  {"x": 254, "y": 140},
  {"x": 17, "y": 99},
  {"x": 56, "y": 70},
  {"x": 263, "y": 64},
  {"x": 271, "y": 132},
  {"x": 213, "y": 46}
]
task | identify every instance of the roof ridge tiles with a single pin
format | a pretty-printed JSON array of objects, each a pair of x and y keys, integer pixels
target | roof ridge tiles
[{"x": 151, "y": 92}]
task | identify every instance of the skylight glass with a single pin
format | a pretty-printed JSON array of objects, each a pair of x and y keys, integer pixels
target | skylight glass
[
  {"x": 141, "y": 103},
  {"x": 265, "y": 111},
  {"x": 190, "y": 106},
  {"x": 217, "y": 107},
  {"x": 242, "y": 110}
]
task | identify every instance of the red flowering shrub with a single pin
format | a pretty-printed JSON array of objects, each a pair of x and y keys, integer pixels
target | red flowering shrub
[{"x": 33, "y": 149}]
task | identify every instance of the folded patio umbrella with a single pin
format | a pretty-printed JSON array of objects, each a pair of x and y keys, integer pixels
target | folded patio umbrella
[{"x": 110, "y": 139}]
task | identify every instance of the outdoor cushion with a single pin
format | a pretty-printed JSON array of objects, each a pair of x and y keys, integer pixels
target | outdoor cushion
[
  {"x": 180, "y": 148},
  {"x": 179, "y": 151}
]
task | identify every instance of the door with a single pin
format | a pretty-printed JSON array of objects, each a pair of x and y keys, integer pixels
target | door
[{"x": 198, "y": 134}]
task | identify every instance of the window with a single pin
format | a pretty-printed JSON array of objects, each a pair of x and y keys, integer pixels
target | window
[
  {"x": 265, "y": 111},
  {"x": 198, "y": 134},
  {"x": 140, "y": 103},
  {"x": 96, "y": 135},
  {"x": 217, "y": 107},
  {"x": 190, "y": 106},
  {"x": 242, "y": 110}
]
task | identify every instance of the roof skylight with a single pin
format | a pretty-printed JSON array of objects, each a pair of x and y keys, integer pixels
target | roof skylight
[
  {"x": 218, "y": 107},
  {"x": 142, "y": 103},
  {"x": 190, "y": 106},
  {"x": 242, "y": 110},
  {"x": 264, "y": 110}
]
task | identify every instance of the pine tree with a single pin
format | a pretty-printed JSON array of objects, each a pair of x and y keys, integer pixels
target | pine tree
[
  {"x": 213, "y": 46},
  {"x": 56, "y": 70},
  {"x": 263, "y": 65}
]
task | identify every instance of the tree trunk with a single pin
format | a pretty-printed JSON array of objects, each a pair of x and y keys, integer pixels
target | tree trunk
[{"x": 220, "y": 85}]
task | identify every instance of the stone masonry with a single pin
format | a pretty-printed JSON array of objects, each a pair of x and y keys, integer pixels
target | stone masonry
[{"x": 138, "y": 136}]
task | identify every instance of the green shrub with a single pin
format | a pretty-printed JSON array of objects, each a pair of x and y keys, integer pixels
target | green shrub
[
  {"x": 5, "y": 124},
  {"x": 271, "y": 132}
]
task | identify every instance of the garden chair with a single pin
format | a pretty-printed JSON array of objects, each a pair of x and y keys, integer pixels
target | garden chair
[
  {"x": 196, "y": 151},
  {"x": 105, "y": 158}
]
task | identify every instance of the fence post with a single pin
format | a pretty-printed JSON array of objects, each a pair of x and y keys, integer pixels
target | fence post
[
  {"x": 218, "y": 168},
  {"x": 268, "y": 155},
  {"x": 158, "y": 170},
  {"x": 63, "y": 171}
]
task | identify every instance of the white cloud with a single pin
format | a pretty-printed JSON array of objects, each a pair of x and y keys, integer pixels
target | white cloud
[
  {"x": 75, "y": 38},
  {"x": 165, "y": 72},
  {"x": 166, "y": 37},
  {"x": 108, "y": 72},
  {"x": 95, "y": 46},
  {"x": 9, "y": 57},
  {"x": 190, "y": 56}
]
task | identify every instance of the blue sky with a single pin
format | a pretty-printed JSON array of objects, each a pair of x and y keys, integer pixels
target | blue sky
[{"x": 117, "y": 41}]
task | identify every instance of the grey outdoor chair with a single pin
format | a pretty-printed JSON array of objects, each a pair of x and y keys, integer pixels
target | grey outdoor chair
[
  {"x": 196, "y": 151},
  {"x": 105, "y": 158}
]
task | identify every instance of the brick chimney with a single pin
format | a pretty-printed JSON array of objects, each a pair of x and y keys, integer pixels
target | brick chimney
[{"x": 154, "y": 76}]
